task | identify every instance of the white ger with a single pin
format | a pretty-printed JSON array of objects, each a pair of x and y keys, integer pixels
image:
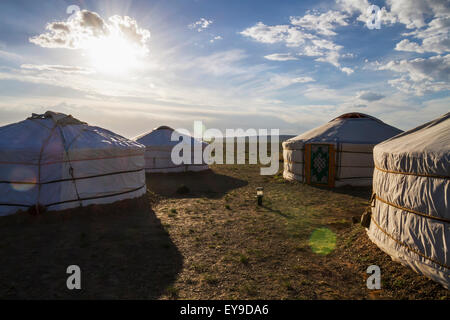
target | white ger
[
  {"x": 158, "y": 153},
  {"x": 59, "y": 162},
  {"x": 337, "y": 153},
  {"x": 411, "y": 184}
]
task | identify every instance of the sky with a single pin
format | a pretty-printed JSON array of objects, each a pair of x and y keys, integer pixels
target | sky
[{"x": 130, "y": 66}]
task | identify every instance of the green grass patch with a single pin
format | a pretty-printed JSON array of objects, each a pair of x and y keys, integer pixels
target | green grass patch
[{"x": 322, "y": 241}]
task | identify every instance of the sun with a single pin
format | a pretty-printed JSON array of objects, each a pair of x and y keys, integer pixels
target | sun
[{"x": 114, "y": 55}]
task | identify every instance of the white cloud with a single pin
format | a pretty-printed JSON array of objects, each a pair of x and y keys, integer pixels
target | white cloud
[
  {"x": 347, "y": 70},
  {"x": 215, "y": 39},
  {"x": 369, "y": 96},
  {"x": 323, "y": 93},
  {"x": 430, "y": 21},
  {"x": 407, "y": 85},
  {"x": 58, "y": 68},
  {"x": 353, "y": 6},
  {"x": 360, "y": 7},
  {"x": 219, "y": 63},
  {"x": 280, "y": 57},
  {"x": 201, "y": 24},
  {"x": 291, "y": 36},
  {"x": 413, "y": 14},
  {"x": 311, "y": 51},
  {"x": 435, "y": 38},
  {"x": 321, "y": 23},
  {"x": 281, "y": 81},
  {"x": 326, "y": 45},
  {"x": 225, "y": 64},
  {"x": 314, "y": 42},
  {"x": 433, "y": 68},
  {"x": 85, "y": 27},
  {"x": 421, "y": 75},
  {"x": 331, "y": 57},
  {"x": 10, "y": 56},
  {"x": 406, "y": 45},
  {"x": 114, "y": 46},
  {"x": 406, "y": 112}
]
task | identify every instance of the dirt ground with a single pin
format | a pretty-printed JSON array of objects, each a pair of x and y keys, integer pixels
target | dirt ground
[
  {"x": 202, "y": 236},
  {"x": 233, "y": 249}
]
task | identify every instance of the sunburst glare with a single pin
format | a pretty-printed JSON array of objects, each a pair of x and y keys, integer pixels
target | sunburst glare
[{"x": 113, "y": 54}]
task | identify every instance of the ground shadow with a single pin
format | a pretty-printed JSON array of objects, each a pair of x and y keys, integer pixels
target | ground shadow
[
  {"x": 192, "y": 184},
  {"x": 276, "y": 211},
  {"x": 360, "y": 192},
  {"x": 122, "y": 249}
]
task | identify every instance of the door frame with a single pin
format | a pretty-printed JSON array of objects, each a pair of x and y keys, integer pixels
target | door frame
[{"x": 331, "y": 164}]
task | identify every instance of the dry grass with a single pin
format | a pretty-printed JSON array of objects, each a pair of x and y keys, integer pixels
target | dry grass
[
  {"x": 210, "y": 241},
  {"x": 233, "y": 249},
  {"x": 122, "y": 249}
]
